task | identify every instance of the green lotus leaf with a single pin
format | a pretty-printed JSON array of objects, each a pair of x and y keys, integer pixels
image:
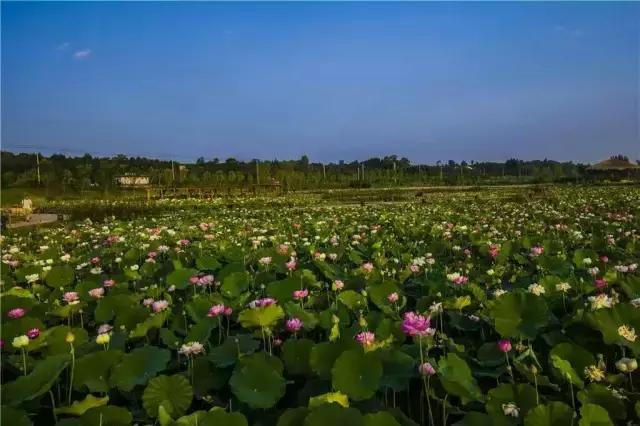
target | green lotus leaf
[
  {"x": 169, "y": 338},
  {"x": 381, "y": 418},
  {"x": 154, "y": 321},
  {"x": 233, "y": 347},
  {"x": 138, "y": 366},
  {"x": 594, "y": 415},
  {"x": 201, "y": 330},
  {"x": 552, "y": 414},
  {"x": 114, "y": 305},
  {"x": 13, "y": 416},
  {"x": 93, "y": 370},
  {"x": 357, "y": 374},
  {"x": 55, "y": 339},
  {"x": 78, "y": 408},
  {"x": 265, "y": 317},
  {"x": 60, "y": 276},
  {"x": 570, "y": 361},
  {"x": 475, "y": 418},
  {"x": 208, "y": 263},
  {"x": 329, "y": 398},
  {"x": 379, "y": 292},
  {"x": 218, "y": 417},
  {"x": 193, "y": 419},
  {"x": 334, "y": 414},
  {"x": 106, "y": 415},
  {"x": 198, "y": 307},
  {"x": 174, "y": 393},
  {"x": 455, "y": 376},
  {"x": 283, "y": 290},
  {"x": 235, "y": 284},
  {"x": 309, "y": 319},
  {"x": 256, "y": 382},
  {"x": 296, "y": 354},
  {"x": 180, "y": 277},
  {"x": 36, "y": 383},
  {"x": 398, "y": 369},
  {"x": 322, "y": 357},
  {"x": 523, "y": 395},
  {"x": 293, "y": 417},
  {"x": 598, "y": 394},
  {"x": 19, "y": 327},
  {"x": 352, "y": 300},
  {"x": 607, "y": 321},
  {"x": 519, "y": 314}
]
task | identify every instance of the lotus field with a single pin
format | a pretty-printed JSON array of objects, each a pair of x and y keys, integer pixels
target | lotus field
[{"x": 460, "y": 309}]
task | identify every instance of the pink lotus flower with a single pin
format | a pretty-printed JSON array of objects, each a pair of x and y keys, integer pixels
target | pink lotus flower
[
  {"x": 96, "y": 293},
  {"x": 194, "y": 279},
  {"x": 159, "y": 306},
  {"x": 338, "y": 285},
  {"x": 393, "y": 297},
  {"x": 366, "y": 338},
  {"x": 600, "y": 283},
  {"x": 264, "y": 260},
  {"x": 415, "y": 324},
  {"x": 494, "y": 251},
  {"x": 95, "y": 260},
  {"x": 277, "y": 343},
  {"x": 216, "y": 310},
  {"x": 184, "y": 242},
  {"x": 33, "y": 333},
  {"x": 152, "y": 254},
  {"x": 504, "y": 345},
  {"x": 291, "y": 265},
  {"x": 104, "y": 328},
  {"x": 16, "y": 313},
  {"x": 604, "y": 259},
  {"x": 367, "y": 267},
  {"x": 228, "y": 310},
  {"x": 261, "y": 303},
  {"x": 108, "y": 283},
  {"x": 537, "y": 251},
  {"x": 148, "y": 301},
  {"x": 414, "y": 268},
  {"x": 71, "y": 297},
  {"x": 206, "y": 280},
  {"x": 300, "y": 294},
  {"x": 294, "y": 325},
  {"x": 426, "y": 369}
]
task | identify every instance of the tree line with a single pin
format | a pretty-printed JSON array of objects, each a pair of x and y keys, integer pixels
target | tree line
[{"x": 68, "y": 173}]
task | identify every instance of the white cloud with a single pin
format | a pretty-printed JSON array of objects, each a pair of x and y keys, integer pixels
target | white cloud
[
  {"x": 63, "y": 46},
  {"x": 82, "y": 54}
]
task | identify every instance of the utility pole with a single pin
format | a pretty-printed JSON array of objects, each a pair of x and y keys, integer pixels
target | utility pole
[
  {"x": 363, "y": 171},
  {"x": 173, "y": 173},
  {"x": 395, "y": 176},
  {"x": 358, "y": 171},
  {"x": 324, "y": 172},
  {"x": 38, "y": 166}
]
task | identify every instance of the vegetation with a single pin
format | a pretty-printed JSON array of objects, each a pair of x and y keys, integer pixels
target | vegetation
[
  {"x": 61, "y": 174},
  {"x": 467, "y": 308}
]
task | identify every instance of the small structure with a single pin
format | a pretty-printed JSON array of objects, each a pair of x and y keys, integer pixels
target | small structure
[
  {"x": 132, "y": 181},
  {"x": 615, "y": 168}
]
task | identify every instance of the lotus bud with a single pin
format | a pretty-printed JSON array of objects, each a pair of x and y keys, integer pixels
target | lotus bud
[
  {"x": 627, "y": 365},
  {"x": 70, "y": 337}
]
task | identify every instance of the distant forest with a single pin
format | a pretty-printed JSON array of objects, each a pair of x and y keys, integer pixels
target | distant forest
[{"x": 87, "y": 172}]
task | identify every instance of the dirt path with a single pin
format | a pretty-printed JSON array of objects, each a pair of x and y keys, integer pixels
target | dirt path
[{"x": 35, "y": 219}]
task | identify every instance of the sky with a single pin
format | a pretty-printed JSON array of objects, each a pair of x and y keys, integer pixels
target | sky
[{"x": 335, "y": 81}]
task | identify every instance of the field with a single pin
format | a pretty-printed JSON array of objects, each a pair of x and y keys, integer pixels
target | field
[{"x": 497, "y": 307}]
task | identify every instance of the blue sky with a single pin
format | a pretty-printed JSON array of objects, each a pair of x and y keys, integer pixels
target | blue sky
[{"x": 430, "y": 81}]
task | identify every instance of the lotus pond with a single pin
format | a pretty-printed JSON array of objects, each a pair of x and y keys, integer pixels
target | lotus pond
[{"x": 459, "y": 309}]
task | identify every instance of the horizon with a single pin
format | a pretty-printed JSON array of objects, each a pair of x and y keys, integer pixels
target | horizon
[{"x": 334, "y": 81}]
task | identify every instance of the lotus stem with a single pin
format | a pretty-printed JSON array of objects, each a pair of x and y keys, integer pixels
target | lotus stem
[
  {"x": 73, "y": 365},
  {"x": 24, "y": 362}
]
